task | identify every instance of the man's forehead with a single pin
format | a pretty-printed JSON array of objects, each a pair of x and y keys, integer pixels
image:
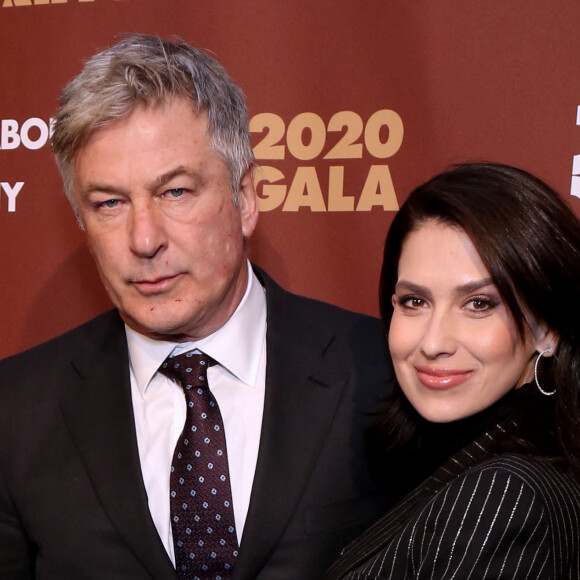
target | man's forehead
[
  {"x": 174, "y": 105},
  {"x": 148, "y": 148}
]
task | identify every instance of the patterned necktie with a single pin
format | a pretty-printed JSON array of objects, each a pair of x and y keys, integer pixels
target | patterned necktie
[{"x": 202, "y": 517}]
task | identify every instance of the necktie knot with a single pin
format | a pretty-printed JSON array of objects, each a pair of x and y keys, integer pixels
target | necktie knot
[{"x": 188, "y": 369}]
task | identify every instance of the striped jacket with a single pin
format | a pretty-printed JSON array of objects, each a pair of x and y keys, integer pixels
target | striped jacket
[{"x": 479, "y": 516}]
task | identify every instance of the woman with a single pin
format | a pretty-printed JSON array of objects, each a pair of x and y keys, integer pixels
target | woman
[{"x": 480, "y": 293}]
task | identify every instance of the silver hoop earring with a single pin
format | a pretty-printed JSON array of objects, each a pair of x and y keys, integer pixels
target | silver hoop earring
[{"x": 547, "y": 393}]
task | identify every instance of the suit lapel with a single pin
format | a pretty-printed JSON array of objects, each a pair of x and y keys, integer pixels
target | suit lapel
[
  {"x": 99, "y": 414},
  {"x": 301, "y": 398}
]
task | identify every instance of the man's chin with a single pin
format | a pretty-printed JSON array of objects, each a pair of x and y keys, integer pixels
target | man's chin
[{"x": 157, "y": 323}]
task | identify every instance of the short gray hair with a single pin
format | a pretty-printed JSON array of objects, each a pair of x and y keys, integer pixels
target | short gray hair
[{"x": 148, "y": 71}]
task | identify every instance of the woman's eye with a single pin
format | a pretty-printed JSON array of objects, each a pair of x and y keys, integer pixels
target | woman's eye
[
  {"x": 411, "y": 302},
  {"x": 480, "y": 304}
]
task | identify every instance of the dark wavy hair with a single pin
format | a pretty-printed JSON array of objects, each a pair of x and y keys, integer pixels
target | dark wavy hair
[{"x": 529, "y": 240}]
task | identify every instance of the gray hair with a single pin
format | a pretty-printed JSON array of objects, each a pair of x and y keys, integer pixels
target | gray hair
[{"x": 148, "y": 71}]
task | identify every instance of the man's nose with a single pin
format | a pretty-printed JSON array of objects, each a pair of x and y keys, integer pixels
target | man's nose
[{"x": 147, "y": 233}]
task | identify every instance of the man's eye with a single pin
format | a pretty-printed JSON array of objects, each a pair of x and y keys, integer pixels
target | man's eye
[
  {"x": 109, "y": 203},
  {"x": 176, "y": 192}
]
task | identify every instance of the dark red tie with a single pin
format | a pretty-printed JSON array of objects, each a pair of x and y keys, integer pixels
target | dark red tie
[{"x": 202, "y": 516}]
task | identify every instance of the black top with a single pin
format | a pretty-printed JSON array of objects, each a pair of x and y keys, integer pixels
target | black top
[{"x": 435, "y": 443}]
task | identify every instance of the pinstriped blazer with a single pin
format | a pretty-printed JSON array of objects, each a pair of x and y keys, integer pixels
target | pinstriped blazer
[{"x": 479, "y": 516}]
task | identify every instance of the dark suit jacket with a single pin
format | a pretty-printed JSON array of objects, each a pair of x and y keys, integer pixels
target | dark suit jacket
[
  {"x": 72, "y": 500},
  {"x": 479, "y": 516}
]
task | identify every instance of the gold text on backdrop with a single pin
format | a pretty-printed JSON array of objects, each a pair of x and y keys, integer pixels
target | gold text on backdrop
[{"x": 305, "y": 138}]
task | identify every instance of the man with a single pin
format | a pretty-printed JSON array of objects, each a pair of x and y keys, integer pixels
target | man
[{"x": 152, "y": 143}]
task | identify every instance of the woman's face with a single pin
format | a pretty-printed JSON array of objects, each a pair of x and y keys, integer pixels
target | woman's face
[{"x": 454, "y": 344}]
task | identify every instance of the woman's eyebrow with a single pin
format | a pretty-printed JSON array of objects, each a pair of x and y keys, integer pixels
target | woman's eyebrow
[{"x": 458, "y": 290}]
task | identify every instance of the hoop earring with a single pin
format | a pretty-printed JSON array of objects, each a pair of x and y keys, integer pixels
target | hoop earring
[{"x": 547, "y": 393}]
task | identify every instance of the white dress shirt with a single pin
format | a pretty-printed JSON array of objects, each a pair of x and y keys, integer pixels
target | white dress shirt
[{"x": 238, "y": 384}]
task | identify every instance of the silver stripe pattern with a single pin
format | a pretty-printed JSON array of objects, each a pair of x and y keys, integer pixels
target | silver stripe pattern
[{"x": 479, "y": 516}]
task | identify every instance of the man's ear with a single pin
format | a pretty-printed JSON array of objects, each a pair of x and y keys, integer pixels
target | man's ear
[{"x": 248, "y": 204}]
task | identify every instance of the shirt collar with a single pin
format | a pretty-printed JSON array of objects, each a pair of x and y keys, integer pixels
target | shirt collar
[{"x": 245, "y": 329}]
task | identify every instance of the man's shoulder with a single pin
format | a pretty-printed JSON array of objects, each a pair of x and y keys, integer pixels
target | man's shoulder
[
  {"x": 311, "y": 330},
  {"x": 310, "y": 311},
  {"x": 90, "y": 334}
]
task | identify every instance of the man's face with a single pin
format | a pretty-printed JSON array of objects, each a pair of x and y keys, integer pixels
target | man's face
[{"x": 156, "y": 203}]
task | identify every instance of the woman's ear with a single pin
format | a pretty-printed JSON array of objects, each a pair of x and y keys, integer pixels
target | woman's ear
[{"x": 545, "y": 340}]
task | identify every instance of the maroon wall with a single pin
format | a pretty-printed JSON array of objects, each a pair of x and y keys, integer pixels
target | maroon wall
[{"x": 419, "y": 85}]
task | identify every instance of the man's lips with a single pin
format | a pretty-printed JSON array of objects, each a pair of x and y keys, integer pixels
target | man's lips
[
  {"x": 155, "y": 285},
  {"x": 440, "y": 377}
]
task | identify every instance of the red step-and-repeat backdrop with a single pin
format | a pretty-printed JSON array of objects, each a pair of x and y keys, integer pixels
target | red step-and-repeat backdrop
[{"x": 352, "y": 105}]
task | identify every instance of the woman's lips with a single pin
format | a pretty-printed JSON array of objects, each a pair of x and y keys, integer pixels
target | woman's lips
[{"x": 441, "y": 378}]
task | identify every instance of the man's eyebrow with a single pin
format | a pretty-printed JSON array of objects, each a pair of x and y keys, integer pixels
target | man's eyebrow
[
  {"x": 101, "y": 187},
  {"x": 164, "y": 178},
  {"x": 159, "y": 181}
]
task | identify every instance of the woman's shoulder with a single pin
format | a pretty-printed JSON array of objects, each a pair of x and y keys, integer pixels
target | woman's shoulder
[
  {"x": 508, "y": 515},
  {"x": 501, "y": 511},
  {"x": 519, "y": 483},
  {"x": 520, "y": 497},
  {"x": 547, "y": 479}
]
